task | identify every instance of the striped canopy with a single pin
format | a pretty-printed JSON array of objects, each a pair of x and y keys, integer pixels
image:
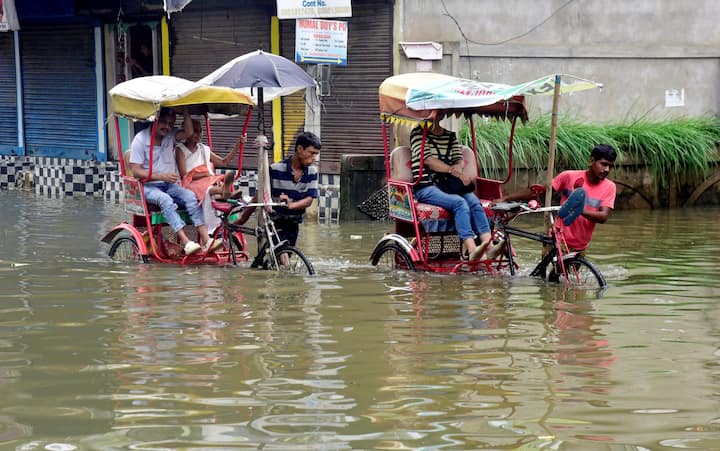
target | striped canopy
[{"x": 426, "y": 95}]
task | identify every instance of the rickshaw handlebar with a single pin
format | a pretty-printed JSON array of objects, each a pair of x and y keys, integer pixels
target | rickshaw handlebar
[
  {"x": 239, "y": 205},
  {"x": 521, "y": 208}
]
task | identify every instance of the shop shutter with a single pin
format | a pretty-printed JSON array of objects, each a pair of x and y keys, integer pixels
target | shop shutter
[
  {"x": 8, "y": 98},
  {"x": 350, "y": 115},
  {"x": 293, "y": 106},
  {"x": 206, "y": 35},
  {"x": 59, "y": 91}
]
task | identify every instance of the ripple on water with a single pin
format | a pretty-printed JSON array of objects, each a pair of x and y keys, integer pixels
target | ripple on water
[{"x": 105, "y": 356}]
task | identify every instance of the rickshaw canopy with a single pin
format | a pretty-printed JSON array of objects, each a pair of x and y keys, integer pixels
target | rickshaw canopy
[
  {"x": 141, "y": 98},
  {"x": 425, "y": 96}
]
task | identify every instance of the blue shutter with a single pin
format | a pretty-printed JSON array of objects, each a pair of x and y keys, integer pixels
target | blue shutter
[
  {"x": 8, "y": 98},
  {"x": 59, "y": 91}
]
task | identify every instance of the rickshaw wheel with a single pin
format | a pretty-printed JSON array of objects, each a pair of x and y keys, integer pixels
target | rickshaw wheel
[
  {"x": 580, "y": 273},
  {"x": 291, "y": 260},
  {"x": 392, "y": 257},
  {"x": 125, "y": 249}
]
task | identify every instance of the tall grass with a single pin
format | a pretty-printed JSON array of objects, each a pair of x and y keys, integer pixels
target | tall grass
[{"x": 672, "y": 149}]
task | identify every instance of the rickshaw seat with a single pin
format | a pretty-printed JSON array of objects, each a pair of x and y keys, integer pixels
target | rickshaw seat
[{"x": 488, "y": 189}]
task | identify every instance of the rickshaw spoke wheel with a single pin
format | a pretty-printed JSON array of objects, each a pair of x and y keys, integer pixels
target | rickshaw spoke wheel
[
  {"x": 291, "y": 260},
  {"x": 392, "y": 257},
  {"x": 125, "y": 249},
  {"x": 581, "y": 273}
]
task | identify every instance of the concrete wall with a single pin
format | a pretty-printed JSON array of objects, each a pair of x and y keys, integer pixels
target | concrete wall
[{"x": 638, "y": 49}]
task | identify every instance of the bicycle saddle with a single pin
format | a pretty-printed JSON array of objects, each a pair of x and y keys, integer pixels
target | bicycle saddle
[{"x": 573, "y": 206}]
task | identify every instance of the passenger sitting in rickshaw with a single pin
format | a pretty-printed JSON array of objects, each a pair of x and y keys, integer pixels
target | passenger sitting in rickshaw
[
  {"x": 163, "y": 188},
  {"x": 443, "y": 155},
  {"x": 196, "y": 164}
]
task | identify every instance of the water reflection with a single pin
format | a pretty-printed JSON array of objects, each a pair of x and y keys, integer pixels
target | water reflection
[{"x": 95, "y": 355}]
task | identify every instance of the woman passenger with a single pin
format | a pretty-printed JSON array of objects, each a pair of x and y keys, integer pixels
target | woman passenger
[
  {"x": 444, "y": 155},
  {"x": 196, "y": 164}
]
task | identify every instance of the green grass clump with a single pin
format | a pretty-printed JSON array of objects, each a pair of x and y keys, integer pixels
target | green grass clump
[{"x": 672, "y": 149}]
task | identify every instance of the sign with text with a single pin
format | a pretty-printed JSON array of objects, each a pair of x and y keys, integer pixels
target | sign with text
[
  {"x": 319, "y": 41},
  {"x": 296, "y": 9}
]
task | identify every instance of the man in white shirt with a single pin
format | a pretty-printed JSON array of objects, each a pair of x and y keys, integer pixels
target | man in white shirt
[{"x": 163, "y": 188}]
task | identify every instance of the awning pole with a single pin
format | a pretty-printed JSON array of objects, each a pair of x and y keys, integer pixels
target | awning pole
[{"x": 551, "y": 151}]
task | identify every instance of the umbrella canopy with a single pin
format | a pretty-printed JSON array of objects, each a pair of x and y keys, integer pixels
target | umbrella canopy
[
  {"x": 263, "y": 76},
  {"x": 276, "y": 75}
]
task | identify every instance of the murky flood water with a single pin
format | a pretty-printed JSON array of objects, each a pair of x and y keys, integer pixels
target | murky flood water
[{"x": 95, "y": 355}]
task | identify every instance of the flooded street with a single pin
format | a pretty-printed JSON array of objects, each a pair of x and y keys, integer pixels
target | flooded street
[{"x": 99, "y": 356}]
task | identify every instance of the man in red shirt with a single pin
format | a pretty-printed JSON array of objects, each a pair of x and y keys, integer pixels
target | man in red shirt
[{"x": 599, "y": 195}]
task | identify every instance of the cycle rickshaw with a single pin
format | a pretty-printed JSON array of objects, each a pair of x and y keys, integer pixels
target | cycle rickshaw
[
  {"x": 147, "y": 236},
  {"x": 424, "y": 238}
]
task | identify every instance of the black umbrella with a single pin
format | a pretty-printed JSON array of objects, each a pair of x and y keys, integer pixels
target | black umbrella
[
  {"x": 269, "y": 76},
  {"x": 266, "y": 74}
]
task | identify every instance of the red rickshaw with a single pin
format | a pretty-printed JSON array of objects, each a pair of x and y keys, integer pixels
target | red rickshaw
[
  {"x": 147, "y": 236},
  {"x": 425, "y": 238}
]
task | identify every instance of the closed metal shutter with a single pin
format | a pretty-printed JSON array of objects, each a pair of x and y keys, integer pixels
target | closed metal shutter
[
  {"x": 293, "y": 106},
  {"x": 59, "y": 91},
  {"x": 8, "y": 98},
  {"x": 350, "y": 115},
  {"x": 206, "y": 35}
]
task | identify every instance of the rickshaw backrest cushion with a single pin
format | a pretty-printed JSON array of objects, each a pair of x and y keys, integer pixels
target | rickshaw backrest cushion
[
  {"x": 401, "y": 163},
  {"x": 126, "y": 157},
  {"x": 469, "y": 162}
]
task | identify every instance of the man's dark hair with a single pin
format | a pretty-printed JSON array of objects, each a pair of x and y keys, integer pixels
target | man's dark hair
[
  {"x": 307, "y": 139},
  {"x": 166, "y": 111},
  {"x": 605, "y": 151}
]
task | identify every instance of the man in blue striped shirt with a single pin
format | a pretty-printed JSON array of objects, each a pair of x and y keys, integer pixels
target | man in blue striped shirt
[{"x": 293, "y": 180}]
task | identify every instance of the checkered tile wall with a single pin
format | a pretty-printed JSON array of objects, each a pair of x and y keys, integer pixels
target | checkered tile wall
[{"x": 58, "y": 177}]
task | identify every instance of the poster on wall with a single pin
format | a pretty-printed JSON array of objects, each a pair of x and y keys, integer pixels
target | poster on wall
[
  {"x": 313, "y": 9},
  {"x": 8, "y": 16},
  {"x": 320, "y": 41}
]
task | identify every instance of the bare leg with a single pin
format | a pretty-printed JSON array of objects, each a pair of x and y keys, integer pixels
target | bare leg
[
  {"x": 476, "y": 252},
  {"x": 208, "y": 244},
  {"x": 183, "y": 237},
  {"x": 204, "y": 236}
]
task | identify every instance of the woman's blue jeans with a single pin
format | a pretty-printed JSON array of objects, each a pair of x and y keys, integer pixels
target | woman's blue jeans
[{"x": 467, "y": 210}]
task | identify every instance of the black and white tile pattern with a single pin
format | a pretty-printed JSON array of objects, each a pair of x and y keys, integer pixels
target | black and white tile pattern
[{"x": 58, "y": 177}]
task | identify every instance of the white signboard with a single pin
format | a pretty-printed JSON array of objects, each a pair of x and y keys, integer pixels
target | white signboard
[
  {"x": 319, "y": 41},
  {"x": 674, "y": 97},
  {"x": 296, "y": 9}
]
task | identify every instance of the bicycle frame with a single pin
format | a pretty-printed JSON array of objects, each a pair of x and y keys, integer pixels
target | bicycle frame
[
  {"x": 267, "y": 237},
  {"x": 557, "y": 251},
  {"x": 551, "y": 241}
]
